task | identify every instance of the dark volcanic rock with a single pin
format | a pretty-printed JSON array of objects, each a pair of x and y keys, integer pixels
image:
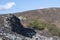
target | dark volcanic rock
[
  {"x": 28, "y": 32},
  {"x": 13, "y": 23}
]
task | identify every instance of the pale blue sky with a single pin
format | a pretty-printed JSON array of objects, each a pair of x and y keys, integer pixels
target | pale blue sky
[{"x": 24, "y": 5}]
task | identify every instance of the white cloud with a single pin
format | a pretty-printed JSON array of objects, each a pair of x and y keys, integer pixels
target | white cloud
[{"x": 7, "y": 6}]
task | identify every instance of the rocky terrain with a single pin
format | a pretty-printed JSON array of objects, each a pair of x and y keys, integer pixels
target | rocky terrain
[
  {"x": 11, "y": 27},
  {"x": 14, "y": 30}
]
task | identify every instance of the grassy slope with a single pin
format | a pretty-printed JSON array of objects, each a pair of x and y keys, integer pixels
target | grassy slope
[{"x": 47, "y": 15}]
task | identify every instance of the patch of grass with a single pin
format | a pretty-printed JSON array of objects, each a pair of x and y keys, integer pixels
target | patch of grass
[
  {"x": 36, "y": 24},
  {"x": 41, "y": 26},
  {"x": 54, "y": 30}
]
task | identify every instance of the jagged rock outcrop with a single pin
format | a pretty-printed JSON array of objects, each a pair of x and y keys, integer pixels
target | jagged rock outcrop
[
  {"x": 12, "y": 22},
  {"x": 14, "y": 30}
]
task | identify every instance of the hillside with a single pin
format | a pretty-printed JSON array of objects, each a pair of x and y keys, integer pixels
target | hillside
[
  {"x": 45, "y": 28},
  {"x": 47, "y": 15}
]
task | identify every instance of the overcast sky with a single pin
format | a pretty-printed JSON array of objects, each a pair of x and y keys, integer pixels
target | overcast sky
[{"x": 12, "y": 6}]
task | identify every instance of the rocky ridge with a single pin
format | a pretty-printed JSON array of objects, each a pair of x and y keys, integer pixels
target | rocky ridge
[{"x": 14, "y": 30}]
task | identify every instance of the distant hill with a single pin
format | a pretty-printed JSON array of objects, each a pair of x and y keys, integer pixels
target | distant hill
[{"x": 47, "y": 15}]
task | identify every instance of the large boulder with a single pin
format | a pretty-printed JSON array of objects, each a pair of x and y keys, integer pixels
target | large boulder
[{"x": 13, "y": 23}]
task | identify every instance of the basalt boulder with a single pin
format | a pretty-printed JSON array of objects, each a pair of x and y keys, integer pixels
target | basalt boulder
[{"x": 13, "y": 23}]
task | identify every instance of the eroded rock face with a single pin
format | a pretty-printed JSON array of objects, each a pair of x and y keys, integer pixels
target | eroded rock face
[{"x": 13, "y": 23}]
